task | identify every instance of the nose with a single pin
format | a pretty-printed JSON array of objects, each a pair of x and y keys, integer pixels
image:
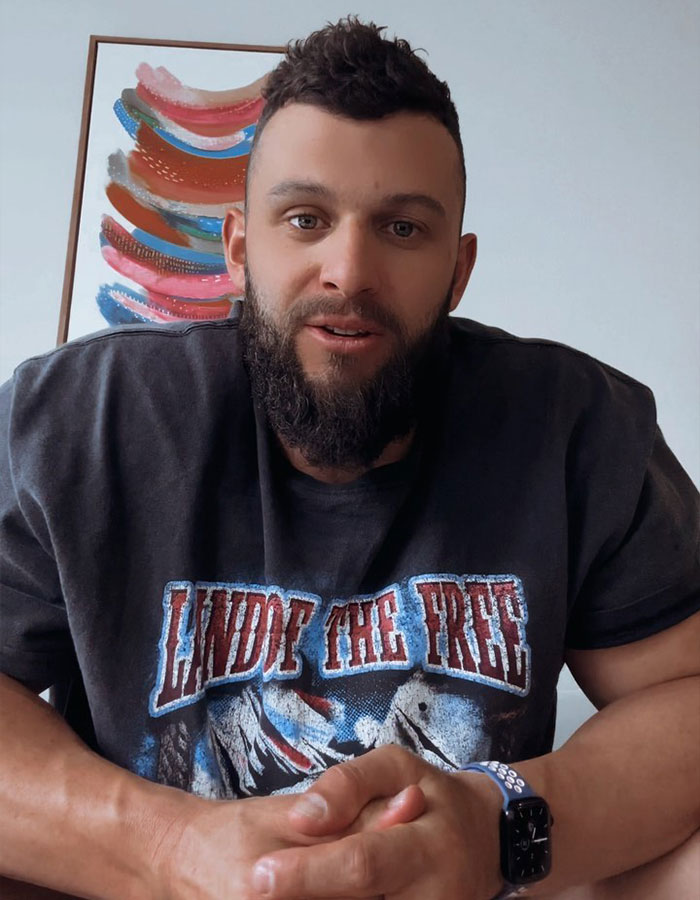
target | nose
[{"x": 349, "y": 265}]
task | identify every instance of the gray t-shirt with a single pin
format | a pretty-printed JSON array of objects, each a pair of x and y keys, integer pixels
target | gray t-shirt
[{"x": 215, "y": 620}]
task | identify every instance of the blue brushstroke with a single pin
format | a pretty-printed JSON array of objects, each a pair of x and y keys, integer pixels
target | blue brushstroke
[
  {"x": 128, "y": 121},
  {"x": 114, "y": 312},
  {"x": 131, "y": 124},
  {"x": 210, "y": 263},
  {"x": 205, "y": 224},
  {"x": 215, "y": 260},
  {"x": 241, "y": 149}
]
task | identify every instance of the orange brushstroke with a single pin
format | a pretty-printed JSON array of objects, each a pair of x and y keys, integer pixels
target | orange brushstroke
[
  {"x": 142, "y": 217},
  {"x": 178, "y": 166},
  {"x": 182, "y": 191},
  {"x": 172, "y": 173}
]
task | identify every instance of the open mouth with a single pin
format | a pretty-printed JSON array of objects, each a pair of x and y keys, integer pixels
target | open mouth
[
  {"x": 345, "y": 326},
  {"x": 343, "y": 338},
  {"x": 344, "y": 332}
]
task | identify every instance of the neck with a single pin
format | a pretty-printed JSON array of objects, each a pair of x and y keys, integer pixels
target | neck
[{"x": 392, "y": 453}]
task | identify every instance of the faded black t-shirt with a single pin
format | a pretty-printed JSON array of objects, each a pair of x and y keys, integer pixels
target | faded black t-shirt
[{"x": 237, "y": 627}]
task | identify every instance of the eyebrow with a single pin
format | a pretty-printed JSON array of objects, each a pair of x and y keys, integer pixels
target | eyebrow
[
  {"x": 416, "y": 199},
  {"x": 316, "y": 189},
  {"x": 284, "y": 188}
]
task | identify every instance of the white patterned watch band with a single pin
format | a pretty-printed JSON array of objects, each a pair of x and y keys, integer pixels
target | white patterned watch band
[{"x": 511, "y": 784}]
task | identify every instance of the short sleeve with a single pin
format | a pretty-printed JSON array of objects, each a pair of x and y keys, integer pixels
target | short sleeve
[
  {"x": 646, "y": 575},
  {"x": 35, "y": 643}
]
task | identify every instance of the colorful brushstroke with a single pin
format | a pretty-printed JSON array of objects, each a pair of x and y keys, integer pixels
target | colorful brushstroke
[{"x": 186, "y": 168}]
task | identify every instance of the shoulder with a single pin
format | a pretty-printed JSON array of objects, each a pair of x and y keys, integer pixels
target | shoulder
[
  {"x": 118, "y": 380},
  {"x": 130, "y": 361},
  {"x": 132, "y": 349},
  {"x": 535, "y": 355},
  {"x": 541, "y": 373}
]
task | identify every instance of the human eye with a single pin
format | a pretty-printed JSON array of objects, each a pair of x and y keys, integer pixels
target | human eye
[
  {"x": 403, "y": 229},
  {"x": 303, "y": 221}
]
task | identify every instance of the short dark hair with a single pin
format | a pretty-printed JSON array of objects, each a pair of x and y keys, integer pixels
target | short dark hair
[{"x": 350, "y": 69}]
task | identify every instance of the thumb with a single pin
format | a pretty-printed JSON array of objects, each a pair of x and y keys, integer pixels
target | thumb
[
  {"x": 404, "y": 807},
  {"x": 341, "y": 793}
]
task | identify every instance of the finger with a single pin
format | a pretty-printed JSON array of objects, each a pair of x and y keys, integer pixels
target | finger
[
  {"x": 337, "y": 798},
  {"x": 404, "y": 807},
  {"x": 367, "y": 864}
]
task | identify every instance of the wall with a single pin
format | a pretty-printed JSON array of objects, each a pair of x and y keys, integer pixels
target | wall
[{"x": 581, "y": 135}]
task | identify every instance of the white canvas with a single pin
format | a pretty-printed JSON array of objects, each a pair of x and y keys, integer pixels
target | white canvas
[{"x": 115, "y": 70}]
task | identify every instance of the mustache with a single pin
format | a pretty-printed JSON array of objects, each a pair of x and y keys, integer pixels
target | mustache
[{"x": 368, "y": 308}]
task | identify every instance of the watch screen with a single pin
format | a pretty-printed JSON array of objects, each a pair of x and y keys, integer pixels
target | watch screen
[{"x": 526, "y": 852}]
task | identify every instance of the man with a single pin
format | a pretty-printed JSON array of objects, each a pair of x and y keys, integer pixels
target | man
[{"x": 347, "y": 528}]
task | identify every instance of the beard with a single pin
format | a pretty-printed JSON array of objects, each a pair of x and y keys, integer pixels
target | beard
[{"x": 340, "y": 420}]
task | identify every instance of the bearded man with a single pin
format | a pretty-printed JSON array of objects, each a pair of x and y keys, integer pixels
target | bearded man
[{"x": 341, "y": 548}]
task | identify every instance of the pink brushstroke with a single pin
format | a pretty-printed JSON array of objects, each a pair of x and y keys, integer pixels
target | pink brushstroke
[
  {"x": 232, "y": 116},
  {"x": 197, "y": 287},
  {"x": 161, "y": 82},
  {"x": 145, "y": 312},
  {"x": 155, "y": 308}
]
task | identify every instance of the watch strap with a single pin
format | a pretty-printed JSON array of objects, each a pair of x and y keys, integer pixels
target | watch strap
[{"x": 513, "y": 787}]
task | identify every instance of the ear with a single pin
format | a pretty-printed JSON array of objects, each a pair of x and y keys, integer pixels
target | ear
[
  {"x": 466, "y": 257},
  {"x": 233, "y": 239}
]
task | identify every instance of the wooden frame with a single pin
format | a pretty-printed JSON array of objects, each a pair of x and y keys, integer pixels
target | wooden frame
[{"x": 241, "y": 67}]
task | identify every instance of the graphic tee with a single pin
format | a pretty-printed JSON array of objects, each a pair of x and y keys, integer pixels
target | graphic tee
[{"x": 215, "y": 620}]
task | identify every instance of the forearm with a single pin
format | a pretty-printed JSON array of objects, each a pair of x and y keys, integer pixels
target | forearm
[
  {"x": 69, "y": 819},
  {"x": 623, "y": 791},
  {"x": 625, "y": 788}
]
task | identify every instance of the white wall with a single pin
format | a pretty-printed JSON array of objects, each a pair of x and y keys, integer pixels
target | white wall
[{"x": 581, "y": 133}]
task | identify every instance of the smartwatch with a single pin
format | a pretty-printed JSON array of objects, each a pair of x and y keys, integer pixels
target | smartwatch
[{"x": 525, "y": 829}]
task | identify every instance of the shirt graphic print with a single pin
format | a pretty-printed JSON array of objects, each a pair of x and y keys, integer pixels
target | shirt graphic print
[{"x": 282, "y": 684}]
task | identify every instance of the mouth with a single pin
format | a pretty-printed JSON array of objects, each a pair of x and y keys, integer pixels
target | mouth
[
  {"x": 341, "y": 333},
  {"x": 345, "y": 334},
  {"x": 345, "y": 326}
]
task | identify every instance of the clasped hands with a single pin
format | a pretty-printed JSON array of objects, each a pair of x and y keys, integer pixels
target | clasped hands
[{"x": 385, "y": 825}]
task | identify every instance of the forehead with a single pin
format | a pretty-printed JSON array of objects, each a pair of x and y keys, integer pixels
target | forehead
[{"x": 357, "y": 160}]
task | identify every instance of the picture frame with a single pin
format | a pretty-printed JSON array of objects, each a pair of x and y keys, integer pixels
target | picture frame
[{"x": 165, "y": 135}]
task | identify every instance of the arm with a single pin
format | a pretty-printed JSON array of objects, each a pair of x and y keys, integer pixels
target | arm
[
  {"x": 62, "y": 803},
  {"x": 73, "y": 821},
  {"x": 647, "y": 734},
  {"x": 623, "y": 790}
]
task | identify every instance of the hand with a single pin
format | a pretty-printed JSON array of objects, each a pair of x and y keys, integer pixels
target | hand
[
  {"x": 210, "y": 848},
  {"x": 450, "y": 852}
]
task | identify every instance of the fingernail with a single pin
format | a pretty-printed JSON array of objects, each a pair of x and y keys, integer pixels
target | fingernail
[
  {"x": 264, "y": 877},
  {"x": 310, "y": 806},
  {"x": 398, "y": 799}
]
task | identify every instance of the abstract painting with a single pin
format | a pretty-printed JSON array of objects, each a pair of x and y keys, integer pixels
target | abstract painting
[{"x": 166, "y": 134}]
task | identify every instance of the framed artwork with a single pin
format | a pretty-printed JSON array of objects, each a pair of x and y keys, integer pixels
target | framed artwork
[{"x": 165, "y": 137}]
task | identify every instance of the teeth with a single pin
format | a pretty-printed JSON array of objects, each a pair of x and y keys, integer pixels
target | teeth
[{"x": 344, "y": 333}]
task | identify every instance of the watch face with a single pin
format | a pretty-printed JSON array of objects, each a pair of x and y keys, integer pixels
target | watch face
[{"x": 526, "y": 851}]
